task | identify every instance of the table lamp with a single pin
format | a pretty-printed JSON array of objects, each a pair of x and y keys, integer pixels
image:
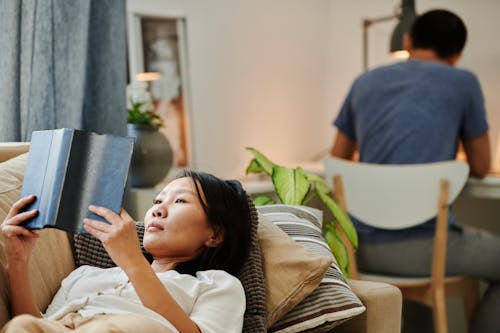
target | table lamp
[{"x": 405, "y": 13}]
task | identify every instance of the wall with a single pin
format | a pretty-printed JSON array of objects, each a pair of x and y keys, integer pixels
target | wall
[
  {"x": 273, "y": 74},
  {"x": 257, "y": 77}
]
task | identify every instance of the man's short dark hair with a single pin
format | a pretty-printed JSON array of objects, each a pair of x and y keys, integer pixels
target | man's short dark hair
[{"x": 441, "y": 31}]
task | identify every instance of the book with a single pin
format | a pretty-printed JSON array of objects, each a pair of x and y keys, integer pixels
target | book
[{"x": 70, "y": 169}]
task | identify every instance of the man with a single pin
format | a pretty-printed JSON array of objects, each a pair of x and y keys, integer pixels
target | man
[{"x": 418, "y": 111}]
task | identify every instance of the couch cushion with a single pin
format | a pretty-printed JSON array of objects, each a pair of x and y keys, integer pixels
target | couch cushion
[
  {"x": 51, "y": 260},
  {"x": 11, "y": 181},
  {"x": 333, "y": 302},
  {"x": 291, "y": 271}
]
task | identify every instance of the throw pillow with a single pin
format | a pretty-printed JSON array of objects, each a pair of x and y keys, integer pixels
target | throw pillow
[
  {"x": 333, "y": 302},
  {"x": 11, "y": 181},
  {"x": 291, "y": 271}
]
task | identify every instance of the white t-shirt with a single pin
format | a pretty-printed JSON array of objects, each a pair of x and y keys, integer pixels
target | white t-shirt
[{"x": 214, "y": 300}]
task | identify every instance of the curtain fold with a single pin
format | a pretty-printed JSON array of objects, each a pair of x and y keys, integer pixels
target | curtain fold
[{"x": 62, "y": 64}]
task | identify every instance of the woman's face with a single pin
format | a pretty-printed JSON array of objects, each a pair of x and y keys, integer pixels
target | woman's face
[{"x": 176, "y": 227}]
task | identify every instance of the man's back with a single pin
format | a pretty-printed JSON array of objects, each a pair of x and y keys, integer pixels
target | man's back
[{"x": 412, "y": 112}]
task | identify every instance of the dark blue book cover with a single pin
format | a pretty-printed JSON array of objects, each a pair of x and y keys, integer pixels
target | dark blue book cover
[{"x": 68, "y": 170}]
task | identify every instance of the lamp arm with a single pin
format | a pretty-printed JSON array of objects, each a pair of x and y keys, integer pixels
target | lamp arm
[{"x": 367, "y": 22}]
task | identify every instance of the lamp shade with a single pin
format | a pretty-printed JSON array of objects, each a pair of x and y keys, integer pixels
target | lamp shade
[{"x": 404, "y": 25}]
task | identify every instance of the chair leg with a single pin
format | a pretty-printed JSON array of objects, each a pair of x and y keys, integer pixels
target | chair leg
[
  {"x": 471, "y": 298},
  {"x": 439, "y": 312}
]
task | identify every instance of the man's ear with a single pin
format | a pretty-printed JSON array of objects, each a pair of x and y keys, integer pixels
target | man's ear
[
  {"x": 407, "y": 42},
  {"x": 216, "y": 239},
  {"x": 452, "y": 60}
]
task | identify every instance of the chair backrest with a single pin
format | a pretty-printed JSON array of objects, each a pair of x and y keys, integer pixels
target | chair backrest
[{"x": 395, "y": 196}]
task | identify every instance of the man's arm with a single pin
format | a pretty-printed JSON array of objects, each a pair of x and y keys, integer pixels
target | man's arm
[
  {"x": 343, "y": 147},
  {"x": 478, "y": 155}
]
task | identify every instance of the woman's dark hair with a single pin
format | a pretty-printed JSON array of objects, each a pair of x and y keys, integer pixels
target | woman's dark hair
[
  {"x": 441, "y": 31},
  {"x": 226, "y": 206}
]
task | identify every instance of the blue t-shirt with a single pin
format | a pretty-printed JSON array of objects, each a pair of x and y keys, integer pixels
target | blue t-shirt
[{"x": 411, "y": 112}]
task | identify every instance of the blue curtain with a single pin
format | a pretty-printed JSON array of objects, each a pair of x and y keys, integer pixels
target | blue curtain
[{"x": 62, "y": 64}]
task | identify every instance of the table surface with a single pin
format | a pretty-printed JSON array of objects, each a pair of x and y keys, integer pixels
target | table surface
[{"x": 487, "y": 188}]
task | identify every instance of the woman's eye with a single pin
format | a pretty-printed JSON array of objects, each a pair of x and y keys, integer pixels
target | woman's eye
[
  {"x": 179, "y": 200},
  {"x": 156, "y": 201}
]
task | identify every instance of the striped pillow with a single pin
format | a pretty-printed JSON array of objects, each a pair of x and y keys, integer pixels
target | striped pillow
[{"x": 333, "y": 302}]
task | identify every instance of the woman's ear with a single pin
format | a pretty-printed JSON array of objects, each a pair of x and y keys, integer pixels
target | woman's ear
[{"x": 216, "y": 239}]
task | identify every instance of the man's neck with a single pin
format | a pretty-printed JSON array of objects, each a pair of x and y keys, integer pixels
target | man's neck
[{"x": 428, "y": 55}]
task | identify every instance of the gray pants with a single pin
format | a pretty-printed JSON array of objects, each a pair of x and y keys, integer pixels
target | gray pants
[{"x": 470, "y": 252}]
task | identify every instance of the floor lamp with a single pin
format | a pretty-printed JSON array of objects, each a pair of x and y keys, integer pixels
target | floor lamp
[{"x": 405, "y": 13}]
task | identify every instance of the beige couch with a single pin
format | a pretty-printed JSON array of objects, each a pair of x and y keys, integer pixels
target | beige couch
[{"x": 53, "y": 259}]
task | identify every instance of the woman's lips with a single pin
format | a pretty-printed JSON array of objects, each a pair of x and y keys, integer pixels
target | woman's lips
[{"x": 153, "y": 226}]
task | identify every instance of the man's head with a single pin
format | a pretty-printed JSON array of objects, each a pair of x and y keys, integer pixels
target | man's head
[{"x": 440, "y": 31}]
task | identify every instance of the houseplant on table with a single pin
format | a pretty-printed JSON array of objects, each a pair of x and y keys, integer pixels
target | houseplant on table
[
  {"x": 153, "y": 156},
  {"x": 294, "y": 186}
]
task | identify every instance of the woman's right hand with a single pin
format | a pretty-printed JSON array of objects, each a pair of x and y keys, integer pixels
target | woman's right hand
[{"x": 19, "y": 241}]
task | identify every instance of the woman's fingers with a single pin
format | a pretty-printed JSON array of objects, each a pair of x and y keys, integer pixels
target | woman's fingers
[
  {"x": 97, "y": 225},
  {"x": 19, "y": 205},
  {"x": 108, "y": 214},
  {"x": 126, "y": 216},
  {"x": 9, "y": 230},
  {"x": 20, "y": 217}
]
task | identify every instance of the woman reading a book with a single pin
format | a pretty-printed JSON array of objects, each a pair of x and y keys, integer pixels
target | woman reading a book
[{"x": 198, "y": 234}]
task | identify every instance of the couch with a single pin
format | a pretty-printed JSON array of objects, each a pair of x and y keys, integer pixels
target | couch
[{"x": 53, "y": 259}]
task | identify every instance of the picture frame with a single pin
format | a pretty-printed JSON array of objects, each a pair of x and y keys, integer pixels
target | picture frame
[{"x": 157, "y": 54}]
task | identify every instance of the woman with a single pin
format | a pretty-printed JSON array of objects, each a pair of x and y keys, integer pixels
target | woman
[{"x": 198, "y": 234}]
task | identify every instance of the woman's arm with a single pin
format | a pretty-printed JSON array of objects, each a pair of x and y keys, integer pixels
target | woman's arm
[
  {"x": 19, "y": 243},
  {"x": 120, "y": 240}
]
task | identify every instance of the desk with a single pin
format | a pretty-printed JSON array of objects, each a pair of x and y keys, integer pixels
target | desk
[
  {"x": 478, "y": 204},
  {"x": 486, "y": 188}
]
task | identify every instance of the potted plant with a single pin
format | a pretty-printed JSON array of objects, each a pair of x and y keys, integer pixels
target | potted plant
[
  {"x": 153, "y": 156},
  {"x": 140, "y": 107},
  {"x": 294, "y": 186}
]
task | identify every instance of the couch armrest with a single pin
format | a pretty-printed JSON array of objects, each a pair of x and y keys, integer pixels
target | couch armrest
[
  {"x": 383, "y": 309},
  {"x": 9, "y": 150}
]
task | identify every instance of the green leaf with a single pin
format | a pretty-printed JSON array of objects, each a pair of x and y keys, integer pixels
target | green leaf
[
  {"x": 319, "y": 183},
  {"x": 262, "y": 160},
  {"x": 334, "y": 241},
  {"x": 263, "y": 200},
  {"x": 254, "y": 167},
  {"x": 291, "y": 185},
  {"x": 341, "y": 217}
]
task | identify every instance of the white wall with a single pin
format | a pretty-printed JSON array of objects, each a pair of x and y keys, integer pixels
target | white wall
[
  {"x": 257, "y": 77},
  {"x": 272, "y": 74}
]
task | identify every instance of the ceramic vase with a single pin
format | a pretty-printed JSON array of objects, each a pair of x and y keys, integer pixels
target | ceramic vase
[{"x": 152, "y": 157}]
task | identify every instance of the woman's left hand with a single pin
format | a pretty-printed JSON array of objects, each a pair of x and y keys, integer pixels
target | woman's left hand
[{"x": 119, "y": 238}]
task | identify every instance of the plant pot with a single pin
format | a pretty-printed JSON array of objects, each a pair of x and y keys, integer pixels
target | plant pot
[{"x": 152, "y": 157}]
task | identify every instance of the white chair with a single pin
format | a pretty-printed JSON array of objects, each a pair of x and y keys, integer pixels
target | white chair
[{"x": 403, "y": 196}]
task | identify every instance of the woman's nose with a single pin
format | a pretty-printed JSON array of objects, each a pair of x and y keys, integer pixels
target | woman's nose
[{"x": 159, "y": 211}]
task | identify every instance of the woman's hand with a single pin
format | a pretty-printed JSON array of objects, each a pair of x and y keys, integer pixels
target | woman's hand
[
  {"x": 119, "y": 238},
  {"x": 19, "y": 241}
]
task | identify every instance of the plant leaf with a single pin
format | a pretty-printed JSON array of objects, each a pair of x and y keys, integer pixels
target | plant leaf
[
  {"x": 291, "y": 185},
  {"x": 262, "y": 160},
  {"x": 254, "y": 167},
  {"x": 334, "y": 241},
  {"x": 319, "y": 183},
  {"x": 263, "y": 200},
  {"x": 341, "y": 217}
]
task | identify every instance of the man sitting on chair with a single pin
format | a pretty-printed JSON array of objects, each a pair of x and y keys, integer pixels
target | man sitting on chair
[{"x": 418, "y": 111}]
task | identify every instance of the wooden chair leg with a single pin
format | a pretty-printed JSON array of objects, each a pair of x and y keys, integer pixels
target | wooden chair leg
[
  {"x": 471, "y": 298},
  {"x": 439, "y": 312}
]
